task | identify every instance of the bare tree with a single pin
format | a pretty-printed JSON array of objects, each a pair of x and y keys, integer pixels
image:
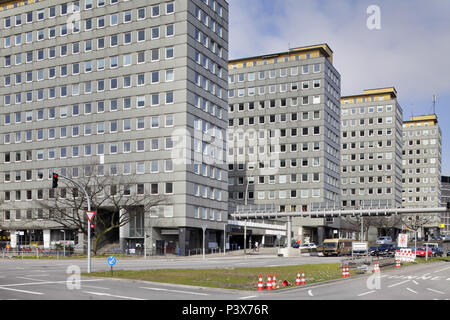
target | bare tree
[{"x": 121, "y": 198}]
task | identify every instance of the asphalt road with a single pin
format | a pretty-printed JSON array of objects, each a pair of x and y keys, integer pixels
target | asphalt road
[{"x": 55, "y": 280}]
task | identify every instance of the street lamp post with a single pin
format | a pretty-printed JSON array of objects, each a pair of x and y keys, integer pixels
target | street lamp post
[{"x": 204, "y": 229}]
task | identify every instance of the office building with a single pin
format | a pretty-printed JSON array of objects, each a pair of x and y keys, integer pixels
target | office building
[
  {"x": 422, "y": 156},
  {"x": 284, "y": 129},
  {"x": 115, "y": 84}
]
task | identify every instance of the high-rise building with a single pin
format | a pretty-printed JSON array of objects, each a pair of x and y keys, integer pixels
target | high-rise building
[
  {"x": 115, "y": 84},
  {"x": 445, "y": 201},
  {"x": 371, "y": 149},
  {"x": 422, "y": 156},
  {"x": 284, "y": 147}
]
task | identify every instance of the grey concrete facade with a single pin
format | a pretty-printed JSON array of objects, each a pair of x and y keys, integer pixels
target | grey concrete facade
[
  {"x": 371, "y": 149},
  {"x": 119, "y": 85},
  {"x": 422, "y": 157},
  {"x": 284, "y": 145}
]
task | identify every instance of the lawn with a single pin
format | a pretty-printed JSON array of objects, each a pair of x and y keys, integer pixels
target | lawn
[{"x": 230, "y": 278}]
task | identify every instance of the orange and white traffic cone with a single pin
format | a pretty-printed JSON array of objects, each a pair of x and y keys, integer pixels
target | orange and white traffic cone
[
  {"x": 348, "y": 272},
  {"x": 397, "y": 264},
  {"x": 376, "y": 267},
  {"x": 269, "y": 283},
  {"x": 260, "y": 283},
  {"x": 344, "y": 274},
  {"x": 303, "y": 281},
  {"x": 274, "y": 281},
  {"x": 298, "y": 281}
]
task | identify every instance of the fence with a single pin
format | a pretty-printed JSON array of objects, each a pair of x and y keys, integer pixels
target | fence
[{"x": 33, "y": 252}]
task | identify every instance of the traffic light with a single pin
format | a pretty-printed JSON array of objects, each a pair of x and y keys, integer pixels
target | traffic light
[
  {"x": 55, "y": 181},
  {"x": 92, "y": 230}
]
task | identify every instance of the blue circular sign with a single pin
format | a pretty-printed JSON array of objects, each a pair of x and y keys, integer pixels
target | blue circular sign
[{"x": 111, "y": 261}]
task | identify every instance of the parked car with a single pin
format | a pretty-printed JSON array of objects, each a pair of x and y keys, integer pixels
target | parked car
[
  {"x": 384, "y": 240},
  {"x": 436, "y": 238},
  {"x": 437, "y": 252},
  {"x": 295, "y": 245},
  {"x": 373, "y": 251},
  {"x": 421, "y": 252},
  {"x": 387, "y": 249},
  {"x": 310, "y": 245}
]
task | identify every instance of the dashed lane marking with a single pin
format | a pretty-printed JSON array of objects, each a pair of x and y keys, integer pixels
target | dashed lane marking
[
  {"x": 440, "y": 292},
  {"x": 397, "y": 284},
  {"x": 411, "y": 290},
  {"x": 310, "y": 293}
]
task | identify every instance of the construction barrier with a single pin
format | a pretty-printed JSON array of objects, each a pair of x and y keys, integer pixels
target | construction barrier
[{"x": 405, "y": 255}]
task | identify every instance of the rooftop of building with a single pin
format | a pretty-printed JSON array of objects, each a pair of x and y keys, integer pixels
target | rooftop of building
[
  {"x": 319, "y": 50},
  {"x": 391, "y": 91},
  {"x": 430, "y": 119}
]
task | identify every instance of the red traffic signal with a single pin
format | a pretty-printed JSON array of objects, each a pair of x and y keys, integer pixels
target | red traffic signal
[{"x": 55, "y": 180}]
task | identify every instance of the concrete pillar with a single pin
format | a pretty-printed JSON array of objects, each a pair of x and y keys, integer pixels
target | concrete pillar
[
  {"x": 184, "y": 236},
  {"x": 124, "y": 232},
  {"x": 320, "y": 234},
  {"x": 288, "y": 231},
  {"x": 46, "y": 239}
]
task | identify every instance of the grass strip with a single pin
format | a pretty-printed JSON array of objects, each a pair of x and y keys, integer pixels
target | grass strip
[{"x": 230, "y": 278}]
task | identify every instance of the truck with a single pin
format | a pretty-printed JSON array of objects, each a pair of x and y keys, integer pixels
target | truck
[{"x": 339, "y": 247}]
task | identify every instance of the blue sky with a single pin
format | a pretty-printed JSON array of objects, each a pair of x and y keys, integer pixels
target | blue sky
[{"x": 411, "y": 51}]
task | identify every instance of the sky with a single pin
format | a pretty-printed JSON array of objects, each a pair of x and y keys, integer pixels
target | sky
[{"x": 404, "y": 44}]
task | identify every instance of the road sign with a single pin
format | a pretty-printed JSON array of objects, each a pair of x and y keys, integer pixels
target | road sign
[
  {"x": 442, "y": 226},
  {"x": 359, "y": 246},
  {"x": 111, "y": 261},
  {"x": 90, "y": 215},
  {"x": 402, "y": 240}
]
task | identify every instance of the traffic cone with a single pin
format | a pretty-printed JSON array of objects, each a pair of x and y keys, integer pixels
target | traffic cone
[
  {"x": 397, "y": 264},
  {"x": 274, "y": 281},
  {"x": 376, "y": 267},
  {"x": 344, "y": 274},
  {"x": 303, "y": 281},
  {"x": 269, "y": 283},
  {"x": 260, "y": 283},
  {"x": 348, "y": 272},
  {"x": 298, "y": 281}
]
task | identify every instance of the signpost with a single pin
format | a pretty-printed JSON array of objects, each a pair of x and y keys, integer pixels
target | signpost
[
  {"x": 111, "y": 261},
  {"x": 402, "y": 240},
  {"x": 90, "y": 216}
]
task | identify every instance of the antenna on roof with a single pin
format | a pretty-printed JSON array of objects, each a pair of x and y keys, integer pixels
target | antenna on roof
[{"x": 434, "y": 104}]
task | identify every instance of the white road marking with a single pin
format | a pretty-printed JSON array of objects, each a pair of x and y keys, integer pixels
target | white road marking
[
  {"x": 398, "y": 284},
  {"x": 23, "y": 291},
  {"x": 249, "y": 297},
  {"x": 177, "y": 291},
  {"x": 111, "y": 295},
  {"x": 441, "y": 270},
  {"x": 32, "y": 279},
  {"x": 411, "y": 290},
  {"x": 363, "y": 294},
  {"x": 440, "y": 292},
  {"x": 310, "y": 293},
  {"x": 415, "y": 282},
  {"x": 42, "y": 282}
]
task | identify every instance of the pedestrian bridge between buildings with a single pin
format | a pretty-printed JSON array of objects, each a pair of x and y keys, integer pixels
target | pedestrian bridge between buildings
[{"x": 260, "y": 212}]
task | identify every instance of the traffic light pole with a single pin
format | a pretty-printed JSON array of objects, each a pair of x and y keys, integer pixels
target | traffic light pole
[{"x": 88, "y": 222}]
